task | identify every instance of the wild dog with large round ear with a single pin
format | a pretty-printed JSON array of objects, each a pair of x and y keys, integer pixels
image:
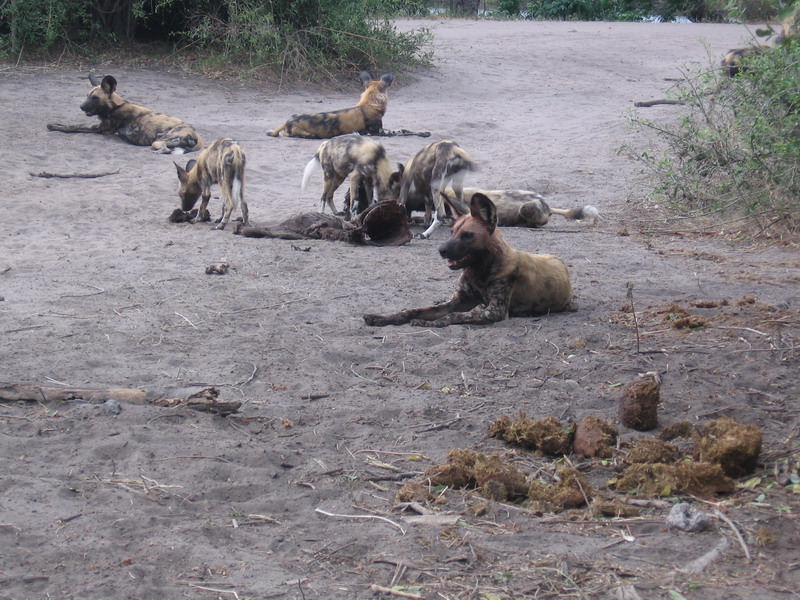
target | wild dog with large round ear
[
  {"x": 222, "y": 162},
  {"x": 497, "y": 281},
  {"x": 133, "y": 123},
  {"x": 427, "y": 174},
  {"x": 364, "y": 117}
]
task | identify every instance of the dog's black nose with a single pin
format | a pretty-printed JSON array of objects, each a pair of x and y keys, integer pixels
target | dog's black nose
[{"x": 443, "y": 249}]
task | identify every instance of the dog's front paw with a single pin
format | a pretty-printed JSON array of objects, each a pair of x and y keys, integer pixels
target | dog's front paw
[
  {"x": 220, "y": 226},
  {"x": 424, "y": 323},
  {"x": 376, "y": 320},
  {"x": 421, "y": 236}
]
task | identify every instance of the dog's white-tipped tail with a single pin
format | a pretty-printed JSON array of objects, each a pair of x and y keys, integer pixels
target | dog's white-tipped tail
[
  {"x": 588, "y": 213},
  {"x": 312, "y": 166}
]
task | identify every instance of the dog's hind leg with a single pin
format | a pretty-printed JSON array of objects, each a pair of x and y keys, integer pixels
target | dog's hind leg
[{"x": 332, "y": 183}]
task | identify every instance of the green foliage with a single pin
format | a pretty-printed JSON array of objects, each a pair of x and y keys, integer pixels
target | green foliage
[
  {"x": 627, "y": 10},
  {"x": 40, "y": 24},
  {"x": 306, "y": 39},
  {"x": 298, "y": 38},
  {"x": 736, "y": 150}
]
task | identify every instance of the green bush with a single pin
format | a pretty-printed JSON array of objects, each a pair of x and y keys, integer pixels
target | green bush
[
  {"x": 298, "y": 38},
  {"x": 736, "y": 149}
]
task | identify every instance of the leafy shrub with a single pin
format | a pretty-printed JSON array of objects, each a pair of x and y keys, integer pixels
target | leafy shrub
[
  {"x": 736, "y": 150},
  {"x": 299, "y": 38}
]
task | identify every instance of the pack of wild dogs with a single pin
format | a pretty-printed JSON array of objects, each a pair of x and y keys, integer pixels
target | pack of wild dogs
[{"x": 496, "y": 280}]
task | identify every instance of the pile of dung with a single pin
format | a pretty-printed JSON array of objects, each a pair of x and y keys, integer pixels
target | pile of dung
[
  {"x": 651, "y": 450},
  {"x": 595, "y": 438},
  {"x": 735, "y": 447},
  {"x": 413, "y": 491},
  {"x": 489, "y": 475},
  {"x": 570, "y": 491},
  {"x": 638, "y": 404},
  {"x": 648, "y": 480},
  {"x": 546, "y": 436},
  {"x": 679, "y": 429}
]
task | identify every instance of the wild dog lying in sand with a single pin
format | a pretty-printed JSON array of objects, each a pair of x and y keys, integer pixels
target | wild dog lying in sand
[
  {"x": 133, "y": 123},
  {"x": 360, "y": 158},
  {"x": 222, "y": 162},
  {"x": 732, "y": 61},
  {"x": 427, "y": 174},
  {"x": 364, "y": 117},
  {"x": 497, "y": 281},
  {"x": 382, "y": 224},
  {"x": 523, "y": 208}
]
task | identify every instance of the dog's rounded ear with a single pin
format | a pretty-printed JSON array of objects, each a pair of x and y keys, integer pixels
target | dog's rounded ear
[
  {"x": 365, "y": 78},
  {"x": 109, "y": 84},
  {"x": 483, "y": 209},
  {"x": 386, "y": 80},
  {"x": 181, "y": 172}
]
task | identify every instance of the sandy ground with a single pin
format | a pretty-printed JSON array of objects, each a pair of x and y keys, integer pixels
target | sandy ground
[{"x": 100, "y": 290}]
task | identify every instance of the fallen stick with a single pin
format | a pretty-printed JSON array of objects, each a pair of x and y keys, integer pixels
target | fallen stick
[
  {"x": 370, "y": 517},
  {"x": 47, "y": 175},
  {"x": 36, "y": 393},
  {"x": 384, "y": 590},
  {"x": 205, "y": 400},
  {"x": 647, "y": 103},
  {"x": 699, "y": 564}
]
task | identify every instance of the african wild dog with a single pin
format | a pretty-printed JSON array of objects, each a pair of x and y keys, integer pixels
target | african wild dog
[
  {"x": 427, "y": 174},
  {"x": 133, "y": 123},
  {"x": 360, "y": 158},
  {"x": 364, "y": 117},
  {"x": 497, "y": 281},
  {"x": 732, "y": 62},
  {"x": 222, "y": 162},
  {"x": 524, "y": 208}
]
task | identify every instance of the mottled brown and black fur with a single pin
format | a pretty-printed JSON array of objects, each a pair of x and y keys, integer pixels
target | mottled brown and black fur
[
  {"x": 133, "y": 123},
  {"x": 523, "y": 208},
  {"x": 735, "y": 59},
  {"x": 364, "y": 117},
  {"x": 497, "y": 281},
  {"x": 427, "y": 174},
  {"x": 222, "y": 162},
  {"x": 361, "y": 159}
]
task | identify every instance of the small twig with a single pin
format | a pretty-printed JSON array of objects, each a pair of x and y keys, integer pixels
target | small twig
[
  {"x": 217, "y": 590},
  {"x": 384, "y": 590},
  {"x": 736, "y": 532},
  {"x": 648, "y": 103},
  {"x": 377, "y": 517},
  {"x": 700, "y": 563},
  {"x": 438, "y": 426},
  {"x": 629, "y": 285},
  {"x": 187, "y": 320},
  {"x": 47, "y": 175}
]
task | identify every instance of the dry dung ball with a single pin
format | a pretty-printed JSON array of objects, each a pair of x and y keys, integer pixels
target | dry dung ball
[
  {"x": 594, "y": 438},
  {"x": 638, "y": 405}
]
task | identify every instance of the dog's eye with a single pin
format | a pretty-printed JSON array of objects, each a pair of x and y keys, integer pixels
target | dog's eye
[{"x": 467, "y": 235}]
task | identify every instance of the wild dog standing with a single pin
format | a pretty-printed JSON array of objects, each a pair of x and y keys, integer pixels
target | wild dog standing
[
  {"x": 427, "y": 174},
  {"x": 360, "y": 158},
  {"x": 364, "y": 117},
  {"x": 497, "y": 281},
  {"x": 222, "y": 162},
  {"x": 524, "y": 208},
  {"x": 133, "y": 123}
]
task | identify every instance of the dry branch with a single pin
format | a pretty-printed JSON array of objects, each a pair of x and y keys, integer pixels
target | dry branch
[
  {"x": 35, "y": 393},
  {"x": 647, "y": 103},
  {"x": 204, "y": 400},
  {"x": 46, "y": 175}
]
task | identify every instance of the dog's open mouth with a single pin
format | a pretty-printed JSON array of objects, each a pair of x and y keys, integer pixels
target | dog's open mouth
[{"x": 456, "y": 264}]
